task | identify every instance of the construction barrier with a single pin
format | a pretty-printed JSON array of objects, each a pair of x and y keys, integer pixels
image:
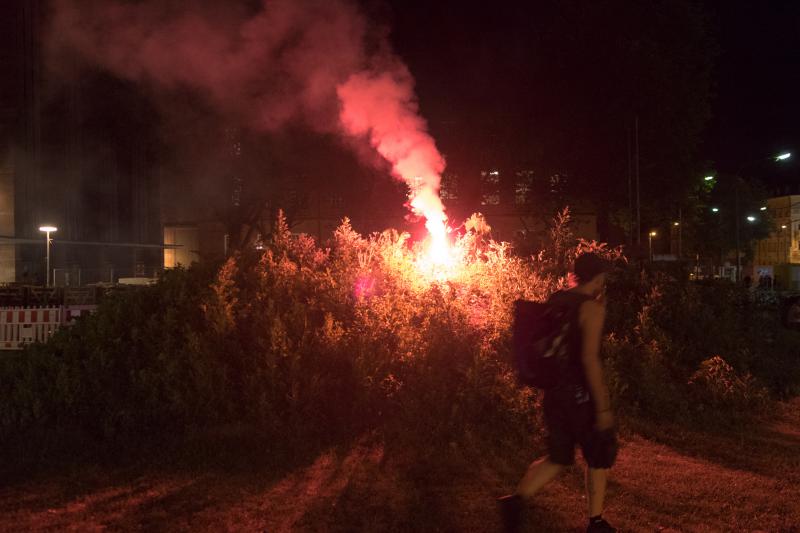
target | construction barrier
[{"x": 23, "y": 325}]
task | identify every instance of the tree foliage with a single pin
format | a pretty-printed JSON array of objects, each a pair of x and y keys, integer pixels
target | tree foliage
[{"x": 305, "y": 344}]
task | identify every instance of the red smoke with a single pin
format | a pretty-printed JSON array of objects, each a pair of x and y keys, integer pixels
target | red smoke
[
  {"x": 382, "y": 107},
  {"x": 279, "y": 64},
  {"x": 289, "y": 61}
]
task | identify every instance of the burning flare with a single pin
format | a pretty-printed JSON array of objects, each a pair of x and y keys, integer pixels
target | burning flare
[{"x": 382, "y": 107}]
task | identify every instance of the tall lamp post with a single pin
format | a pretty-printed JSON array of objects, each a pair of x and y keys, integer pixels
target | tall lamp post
[
  {"x": 751, "y": 219},
  {"x": 48, "y": 230},
  {"x": 650, "y": 243},
  {"x": 780, "y": 157}
]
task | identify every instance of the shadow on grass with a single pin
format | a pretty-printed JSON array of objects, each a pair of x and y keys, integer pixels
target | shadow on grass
[
  {"x": 72, "y": 475},
  {"x": 236, "y": 481},
  {"x": 769, "y": 446}
]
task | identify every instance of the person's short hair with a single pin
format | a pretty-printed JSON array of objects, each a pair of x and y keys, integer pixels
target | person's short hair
[{"x": 588, "y": 265}]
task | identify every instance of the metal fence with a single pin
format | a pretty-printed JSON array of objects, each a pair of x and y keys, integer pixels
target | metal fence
[{"x": 79, "y": 277}]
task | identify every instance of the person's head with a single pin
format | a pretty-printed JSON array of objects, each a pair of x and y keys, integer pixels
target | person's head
[{"x": 590, "y": 272}]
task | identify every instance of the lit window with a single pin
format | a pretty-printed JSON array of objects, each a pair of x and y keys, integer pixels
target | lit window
[
  {"x": 490, "y": 199},
  {"x": 523, "y": 187},
  {"x": 522, "y": 193},
  {"x": 491, "y": 187},
  {"x": 491, "y": 178},
  {"x": 557, "y": 183},
  {"x": 448, "y": 189}
]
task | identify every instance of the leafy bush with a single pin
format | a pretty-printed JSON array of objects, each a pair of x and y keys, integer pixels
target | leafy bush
[
  {"x": 137, "y": 365},
  {"x": 677, "y": 345},
  {"x": 717, "y": 384},
  {"x": 307, "y": 344}
]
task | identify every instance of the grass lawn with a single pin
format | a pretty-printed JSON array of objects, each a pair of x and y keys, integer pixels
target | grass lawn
[{"x": 665, "y": 480}]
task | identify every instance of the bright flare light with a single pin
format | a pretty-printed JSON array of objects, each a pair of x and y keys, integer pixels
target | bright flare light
[
  {"x": 781, "y": 157},
  {"x": 439, "y": 260},
  {"x": 48, "y": 229},
  {"x": 708, "y": 178}
]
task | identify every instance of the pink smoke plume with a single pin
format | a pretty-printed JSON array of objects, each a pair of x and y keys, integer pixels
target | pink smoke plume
[
  {"x": 288, "y": 61},
  {"x": 382, "y": 106},
  {"x": 264, "y": 68}
]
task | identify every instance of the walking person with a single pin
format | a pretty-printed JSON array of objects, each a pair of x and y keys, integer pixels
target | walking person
[{"x": 577, "y": 411}]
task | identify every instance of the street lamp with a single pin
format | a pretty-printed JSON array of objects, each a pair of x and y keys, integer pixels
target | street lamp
[
  {"x": 782, "y": 157},
  {"x": 715, "y": 209},
  {"x": 677, "y": 224},
  {"x": 48, "y": 230},
  {"x": 708, "y": 178},
  {"x": 751, "y": 218},
  {"x": 650, "y": 243}
]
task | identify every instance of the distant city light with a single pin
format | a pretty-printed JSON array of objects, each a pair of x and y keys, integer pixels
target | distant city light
[
  {"x": 708, "y": 178},
  {"x": 494, "y": 173},
  {"x": 715, "y": 209},
  {"x": 676, "y": 223},
  {"x": 781, "y": 157},
  {"x": 653, "y": 234},
  {"x": 763, "y": 208},
  {"x": 783, "y": 226},
  {"x": 751, "y": 218}
]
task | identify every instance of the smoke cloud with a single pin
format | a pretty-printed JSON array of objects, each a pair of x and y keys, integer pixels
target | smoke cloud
[{"x": 309, "y": 62}]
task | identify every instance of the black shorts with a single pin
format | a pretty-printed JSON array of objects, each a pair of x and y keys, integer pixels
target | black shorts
[{"x": 570, "y": 421}]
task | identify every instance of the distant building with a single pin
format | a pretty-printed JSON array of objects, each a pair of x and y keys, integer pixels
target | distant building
[
  {"x": 519, "y": 203},
  {"x": 80, "y": 155},
  {"x": 777, "y": 257}
]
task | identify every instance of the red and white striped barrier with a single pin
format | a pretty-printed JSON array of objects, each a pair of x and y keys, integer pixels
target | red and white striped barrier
[{"x": 23, "y": 325}]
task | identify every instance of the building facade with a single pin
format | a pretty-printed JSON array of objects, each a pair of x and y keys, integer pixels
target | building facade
[
  {"x": 77, "y": 153},
  {"x": 777, "y": 257}
]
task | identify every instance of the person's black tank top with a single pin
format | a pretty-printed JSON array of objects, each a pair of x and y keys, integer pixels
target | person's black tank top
[{"x": 576, "y": 377}]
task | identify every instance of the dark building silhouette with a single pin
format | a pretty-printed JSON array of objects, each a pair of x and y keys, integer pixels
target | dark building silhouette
[{"x": 80, "y": 154}]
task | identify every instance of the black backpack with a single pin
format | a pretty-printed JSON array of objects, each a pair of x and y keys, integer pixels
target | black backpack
[{"x": 540, "y": 338}]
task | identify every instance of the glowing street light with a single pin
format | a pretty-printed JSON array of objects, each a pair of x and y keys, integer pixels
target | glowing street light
[
  {"x": 715, "y": 209},
  {"x": 708, "y": 178},
  {"x": 783, "y": 157},
  {"x": 763, "y": 208},
  {"x": 676, "y": 223},
  {"x": 48, "y": 230},
  {"x": 751, "y": 218},
  {"x": 650, "y": 243}
]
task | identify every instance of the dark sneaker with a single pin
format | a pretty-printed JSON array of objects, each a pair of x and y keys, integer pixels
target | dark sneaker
[
  {"x": 511, "y": 508},
  {"x": 600, "y": 526}
]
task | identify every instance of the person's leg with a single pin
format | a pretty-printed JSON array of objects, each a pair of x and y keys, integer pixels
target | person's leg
[
  {"x": 596, "y": 480},
  {"x": 539, "y": 473},
  {"x": 600, "y": 452}
]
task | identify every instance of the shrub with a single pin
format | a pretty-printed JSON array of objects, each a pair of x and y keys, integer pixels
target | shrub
[
  {"x": 305, "y": 344},
  {"x": 666, "y": 327},
  {"x": 716, "y": 384}
]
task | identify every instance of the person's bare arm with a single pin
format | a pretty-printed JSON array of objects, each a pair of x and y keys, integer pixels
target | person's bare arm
[{"x": 592, "y": 317}]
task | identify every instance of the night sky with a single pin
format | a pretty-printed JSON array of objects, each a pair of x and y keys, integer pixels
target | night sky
[
  {"x": 757, "y": 110},
  {"x": 470, "y": 64}
]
